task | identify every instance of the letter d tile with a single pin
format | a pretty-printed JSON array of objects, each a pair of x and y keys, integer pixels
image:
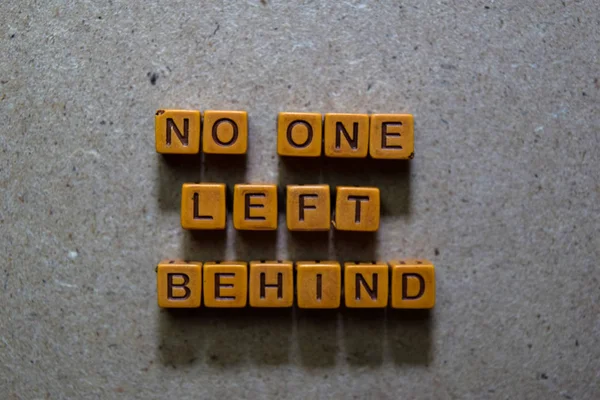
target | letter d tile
[{"x": 413, "y": 284}]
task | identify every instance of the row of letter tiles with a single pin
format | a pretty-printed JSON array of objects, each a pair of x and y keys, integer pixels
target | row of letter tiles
[
  {"x": 385, "y": 136},
  {"x": 178, "y": 132},
  {"x": 182, "y": 284},
  {"x": 203, "y": 206}
]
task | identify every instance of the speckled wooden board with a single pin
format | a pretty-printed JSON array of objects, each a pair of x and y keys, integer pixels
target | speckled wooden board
[{"x": 503, "y": 196}]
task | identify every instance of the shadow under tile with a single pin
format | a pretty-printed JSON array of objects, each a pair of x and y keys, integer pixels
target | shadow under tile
[
  {"x": 392, "y": 177},
  {"x": 354, "y": 246},
  {"x": 409, "y": 335},
  {"x": 173, "y": 171},
  {"x": 255, "y": 245},
  {"x": 317, "y": 335},
  {"x": 204, "y": 245},
  {"x": 363, "y": 335}
]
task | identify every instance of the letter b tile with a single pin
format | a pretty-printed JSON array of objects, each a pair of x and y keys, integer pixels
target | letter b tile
[
  {"x": 179, "y": 284},
  {"x": 413, "y": 284}
]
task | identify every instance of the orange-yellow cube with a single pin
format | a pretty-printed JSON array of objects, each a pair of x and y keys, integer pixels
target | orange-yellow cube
[
  {"x": 413, "y": 284},
  {"x": 366, "y": 285},
  {"x": 357, "y": 208},
  {"x": 346, "y": 135},
  {"x": 177, "y": 131},
  {"x": 319, "y": 284},
  {"x": 203, "y": 206},
  {"x": 299, "y": 134},
  {"x": 392, "y": 136},
  {"x": 225, "y": 132},
  {"x": 271, "y": 284},
  {"x": 308, "y": 208},
  {"x": 179, "y": 284},
  {"x": 255, "y": 207},
  {"x": 225, "y": 284}
]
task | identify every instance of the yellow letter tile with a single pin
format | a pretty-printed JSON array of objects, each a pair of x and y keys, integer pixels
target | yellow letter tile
[
  {"x": 299, "y": 134},
  {"x": 319, "y": 284},
  {"x": 357, "y": 208},
  {"x": 271, "y": 284},
  {"x": 413, "y": 284},
  {"x": 177, "y": 131},
  {"x": 366, "y": 285},
  {"x": 308, "y": 208},
  {"x": 203, "y": 206},
  {"x": 225, "y": 132},
  {"x": 346, "y": 135},
  {"x": 392, "y": 136},
  {"x": 255, "y": 207},
  {"x": 179, "y": 284},
  {"x": 225, "y": 284}
]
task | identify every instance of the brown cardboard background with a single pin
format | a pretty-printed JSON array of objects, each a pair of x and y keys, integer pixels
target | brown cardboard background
[{"x": 503, "y": 196}]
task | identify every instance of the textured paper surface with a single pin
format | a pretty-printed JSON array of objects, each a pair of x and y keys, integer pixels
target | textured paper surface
[{"x": 503, "y": 196}]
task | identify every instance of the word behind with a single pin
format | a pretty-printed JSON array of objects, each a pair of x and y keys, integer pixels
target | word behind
[{"x": 311, "y": 284}]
